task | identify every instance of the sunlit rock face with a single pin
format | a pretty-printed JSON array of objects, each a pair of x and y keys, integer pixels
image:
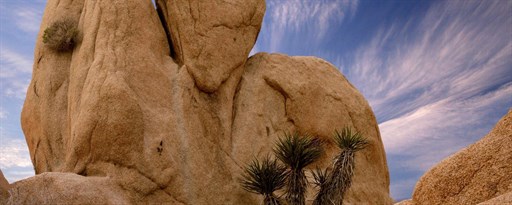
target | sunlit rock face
[
  {"x": 164, "y": 106},
  {"x": 474, "y": 175}
]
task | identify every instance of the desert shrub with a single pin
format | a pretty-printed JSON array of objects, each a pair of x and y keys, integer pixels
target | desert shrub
[
  {"x": 336, "y": 183},
  {"x": 61, "y": 35},
  {"x": 297, "y": 152},
  {"x": 264, "y": 177},
  {"x": 320, "y": 180}
]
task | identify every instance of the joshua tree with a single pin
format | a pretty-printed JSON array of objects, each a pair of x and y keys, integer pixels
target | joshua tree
[
  {"x": 264, "y": 178},
  {"x": 61, "y": 35},
  {"x": 340, "y": 179},
  {"x": 297, "y": 152}
]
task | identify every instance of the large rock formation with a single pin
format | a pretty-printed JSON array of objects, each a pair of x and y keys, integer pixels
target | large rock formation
[
  {"x": 167, "y": 109},
  {"x": 476, "y": 174}
]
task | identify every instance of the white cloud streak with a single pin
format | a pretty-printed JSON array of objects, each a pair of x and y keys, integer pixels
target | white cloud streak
[
  {"x": 312, "y": 18},
  {"x": 12, "y": 63},
  {"x": 28, "y": 19},
  {"x": 15, "y": 160},
  {"x": 436, "y": 81},
  {"x": 461, "y": 48},
  {"x": 437, "y": 130},
  {"x": 14, "y": 153},
  {"x": 15, "y": 70},
  {"x": 3, "y": 113}
]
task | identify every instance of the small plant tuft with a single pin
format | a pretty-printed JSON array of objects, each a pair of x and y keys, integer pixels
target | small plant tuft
[
  {"x": 61, "y": 35},
  {"x": 264, "y": 177}
]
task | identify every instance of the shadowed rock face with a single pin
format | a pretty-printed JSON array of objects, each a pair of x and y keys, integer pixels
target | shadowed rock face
[
  {"x": 476, "y": 174},
  {"x": 165, "y": 107},
  {"x": 4, "y": 186}
]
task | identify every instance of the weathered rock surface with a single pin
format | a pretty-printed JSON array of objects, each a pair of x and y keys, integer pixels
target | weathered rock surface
[
  {"x": 213, "y": 37},
  {"x": 4, "y": 187},
  {"x": 405, "y": 202},
  {"x": 63, "y": 188},
  {"x": 504, "y": 199},
  {"x": 476, "y": 174},
  {"x": 155, "y": 118}
]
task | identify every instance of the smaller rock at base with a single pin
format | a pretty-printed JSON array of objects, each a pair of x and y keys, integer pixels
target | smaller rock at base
[
  {"x": 405, "y": 202},
  {"x": 4, "y": 186},
  {"x": 502, "y": 199}
]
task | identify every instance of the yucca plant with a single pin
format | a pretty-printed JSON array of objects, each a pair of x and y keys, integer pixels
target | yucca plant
[
  {"x": 340, "y": 178},
  {"x": 264, "y": 178},
  {"x": 320, "y": 180},
  {"x": 297, "y": 152}
]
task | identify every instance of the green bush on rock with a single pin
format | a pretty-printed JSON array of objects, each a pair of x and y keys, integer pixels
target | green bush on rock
[{"x": 61, "y": 35}]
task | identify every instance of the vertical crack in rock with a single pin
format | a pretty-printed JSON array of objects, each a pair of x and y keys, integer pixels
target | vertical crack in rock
[{"x": 161, "y": 9}]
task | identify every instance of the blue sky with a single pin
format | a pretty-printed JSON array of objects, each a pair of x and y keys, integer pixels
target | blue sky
[{"x": 438, "y": 74}]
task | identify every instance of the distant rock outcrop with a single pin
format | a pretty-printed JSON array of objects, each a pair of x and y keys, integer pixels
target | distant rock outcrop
[
  {"x": 476, "y": 174},
  {"x": 166, "y": 108}
]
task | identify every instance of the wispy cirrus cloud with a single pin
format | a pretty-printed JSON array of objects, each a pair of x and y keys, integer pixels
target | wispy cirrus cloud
[
  {"x": 15, "y": 159},
  {"x": 28, "y": 19},
  {"x": 19, "y": 26},
  {"x": 18, "y": 29},
  {"x": 436, "y": 82},
  {"x": 15, "y": 70},
  {"x": 24, "y": 15},
  {"x": 437, "y": 130},
  {"x": 3, "y": 114},
  {"x": 460, "y": 48},
  {"x": 14, "y": 153},
  {"x": 12, "y": 63},
  {"x": 311, "y": 18}
]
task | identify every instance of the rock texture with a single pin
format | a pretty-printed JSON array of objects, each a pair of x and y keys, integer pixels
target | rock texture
[
  {"x": 165, "y": 107},
  {"x": 66, "y": 188},
  {"x": 505, "y": 199},
  {"x": 476, "y": 174},
  {"x": 405, "y": 202},
  {"x": 4, "y": 187},
  {"x": 212, "y": 38}
]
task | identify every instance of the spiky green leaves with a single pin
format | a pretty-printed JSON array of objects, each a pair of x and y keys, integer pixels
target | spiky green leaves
[
  {"x": 337, "y": 182},
  {"x": 61, "y": 35},
  {"x": 319, "y": 177},
  {"x": 349, "y": 140},
  {"x": 297, "y": 151},
  {"x": 264, "y": 177}
]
